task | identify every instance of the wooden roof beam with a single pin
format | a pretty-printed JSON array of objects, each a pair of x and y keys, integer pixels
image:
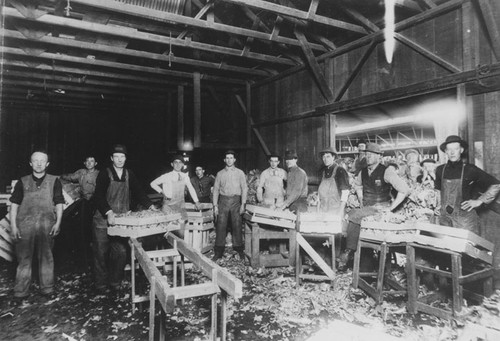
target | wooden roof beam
[
  {"x": 116, "y": 65},
  {"x": 359, "y": 18},
  {"x": 298, "y": 14},
  {"x": 315, "y": 68},
  {"x": 426, "y": 3},
  {"x": 426, "y": 53},
  {"x": 138, "y": 11},
  {"x": 135, "y": 53},
  {"x": 149, "y": 37},
  {"x": 491, "y": 23}
]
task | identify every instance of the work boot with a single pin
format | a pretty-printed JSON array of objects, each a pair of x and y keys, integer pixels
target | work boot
[
  {"x": 218, "y": 253},
  {"x": 345, "y": 258}
]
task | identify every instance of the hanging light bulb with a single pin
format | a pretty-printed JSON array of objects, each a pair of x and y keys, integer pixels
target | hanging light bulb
[{"x": 390, "y": 41}]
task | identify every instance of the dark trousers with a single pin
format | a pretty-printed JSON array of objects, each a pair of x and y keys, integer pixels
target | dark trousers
[
  {"x": 229, "y": 211},
  {"x": 34, "y": 237},
  {"x": 110, "y": 255},
  {"x": 354, "y": 226}
]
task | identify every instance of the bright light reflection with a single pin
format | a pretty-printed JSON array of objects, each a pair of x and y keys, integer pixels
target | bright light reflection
[{"x": 390, "y": 41}]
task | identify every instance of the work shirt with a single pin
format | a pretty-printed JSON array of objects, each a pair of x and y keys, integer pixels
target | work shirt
[
  {"x": 475, "y": 180},
  {"x": 296, "y": 185},
  {"x": 102, "y": 184},
  {"x": 230, "y": 181},
  {"x": 341, "y": 177},
  {"x": 202, "y": 186},
  {"x": 390, "y": 176},
  {"x": 165, "y": 182},
  {"x": 18, "y": 193},
  {"x": 86, "y": 179}
]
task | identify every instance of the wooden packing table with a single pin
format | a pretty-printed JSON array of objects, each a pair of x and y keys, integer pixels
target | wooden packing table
[
  {"x": 222, "y": 282},
  {"x": 456, "y": 245},
  {"x": 314, "y": 226},
  {"x": 263, "y": 223},
  {"x": 135, "y": 227}
]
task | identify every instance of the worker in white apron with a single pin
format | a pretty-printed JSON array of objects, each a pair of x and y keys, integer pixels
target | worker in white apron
[
  {"x": 333, "y": 190},
  {"x": 173, "y": 185}
]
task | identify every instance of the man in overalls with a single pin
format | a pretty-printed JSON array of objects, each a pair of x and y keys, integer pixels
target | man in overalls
[
  {"x": 35, "y": 218},
  {"x": 333, "y": 189},
  {"x": 172, "y": 185},
  {"x": 271, "y": 189},
  {"x": 115, "y": 186},
  {"x": 458, "y": 181},
  {"x": 373, "y": 187}
]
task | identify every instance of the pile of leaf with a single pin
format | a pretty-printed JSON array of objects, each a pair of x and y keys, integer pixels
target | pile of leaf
[{"x": 253, "y": 178}]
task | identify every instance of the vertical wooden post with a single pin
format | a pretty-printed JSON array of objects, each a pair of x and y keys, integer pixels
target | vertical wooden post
[
  {"x": 411, "y": 282},
  {"x": 152, "y": 299},
  {"x": 168, "y": 122},
  {"x": 329, "y": 132},
  {"x": 180, "y": 117},
  {"x": 197, "y": 109},
  {"x": 249, "y": 113},
  {"x": 223, "y": 315},
  {"x": 465, "y": 126}
]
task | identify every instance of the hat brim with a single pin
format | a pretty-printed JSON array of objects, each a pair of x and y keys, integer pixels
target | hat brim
[
  {"x": 373, "y": 151},
  {"x": 463, "y": 144}
]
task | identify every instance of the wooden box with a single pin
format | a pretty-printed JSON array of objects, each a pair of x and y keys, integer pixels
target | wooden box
[
  {"x": 387, "y": 232},
  {"x": 205, "y": 215},
  {"x": 264, "y": 215},
  {"x": 197, "y": 235},
  {"x": 6, "y": 242},
  {"x": 454, "y": 239},
  {"x": 137, "y": 226},
  {"x": 313, "y": 222}
]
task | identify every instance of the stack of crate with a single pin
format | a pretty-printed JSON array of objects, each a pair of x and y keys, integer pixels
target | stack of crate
[{"x": 198, "y": 227}]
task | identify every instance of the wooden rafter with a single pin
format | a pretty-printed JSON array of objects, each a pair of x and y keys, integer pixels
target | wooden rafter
[
  {"x": 143, "y": 36},
  {"x": 314, "y": 66},
  {"x": 359, "y": 18},
  {"x": 491, "y": 23},
  {"x": 146, "y": 13},
  {"x": 118, "y": 51},
  {"x": 355, "y": 71},
  {"x": 298, "y": 14},
  {"x": 426, "y": 53},
  {"x": 115, "y": 65},
  {"x": 427, "y": 3}
]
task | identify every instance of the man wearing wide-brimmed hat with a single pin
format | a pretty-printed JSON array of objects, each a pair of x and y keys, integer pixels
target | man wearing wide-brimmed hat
[
  {"x": 458, "y": 181},
  {"x": 115, "y": 186},
  {"x": 333, "y": 189},
  {"x": 296, "y": 186},
  {"x": 373, "y": 186}
]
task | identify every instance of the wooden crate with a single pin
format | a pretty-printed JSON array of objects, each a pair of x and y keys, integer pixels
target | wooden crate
[
  {"x": 313, "y": 222},
  {"x": 134, "y": 226},
  {"x": 6, "y": 242},
  {"x": 387, "y": 232},
  {"x": 264, "y": 215},
  {"x": 454, "y": 239},
  {"x": 197, "y": 235}
]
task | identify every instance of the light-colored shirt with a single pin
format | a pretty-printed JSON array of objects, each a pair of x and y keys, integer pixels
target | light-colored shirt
[
  {"x": 230, "y": 181},
  {"x": 296, "y": 186},
  {"x": 163, "y": 184},
  {"x": 390, "y": 176},
  {"x": 85, "y": 178}
]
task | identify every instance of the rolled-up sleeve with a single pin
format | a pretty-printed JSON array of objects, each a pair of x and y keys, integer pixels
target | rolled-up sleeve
[{"x": 391, "y": 177}]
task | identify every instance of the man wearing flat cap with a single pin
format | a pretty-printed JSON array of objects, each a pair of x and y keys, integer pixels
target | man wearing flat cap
[
  {"x": 333, "y": 189},
  {"x": 296, "y": 186},
  {"x": 458, "y": 181},
  {"x": 229, "y": 198},
  {"x": 114, "y": 187},
  {"x": 172, "y": 185},
  {"x": 373, "y": 186},
  {"x": 271, "y": 187}
]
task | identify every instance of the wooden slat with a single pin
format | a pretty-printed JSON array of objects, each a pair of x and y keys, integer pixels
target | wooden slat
[
  {"x": 224, "y": 279},
  {"x": 197, "y": 109},
  {"x": 426, "y": 53},
  {"x": 439, "y": 230},
  {"x": 295, "y": 13},
  {"x": 255, "y": 131},
  {"x": 194, "y": 290},
  {"x": 316, "y": 258},
  {"x": 139, "y": 11},
  {"x": 314, "y": 66},
  {"x": 150, "y": 37}
]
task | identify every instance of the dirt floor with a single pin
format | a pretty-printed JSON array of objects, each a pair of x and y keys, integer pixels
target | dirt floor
[{"x": 273, "y": 308}]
